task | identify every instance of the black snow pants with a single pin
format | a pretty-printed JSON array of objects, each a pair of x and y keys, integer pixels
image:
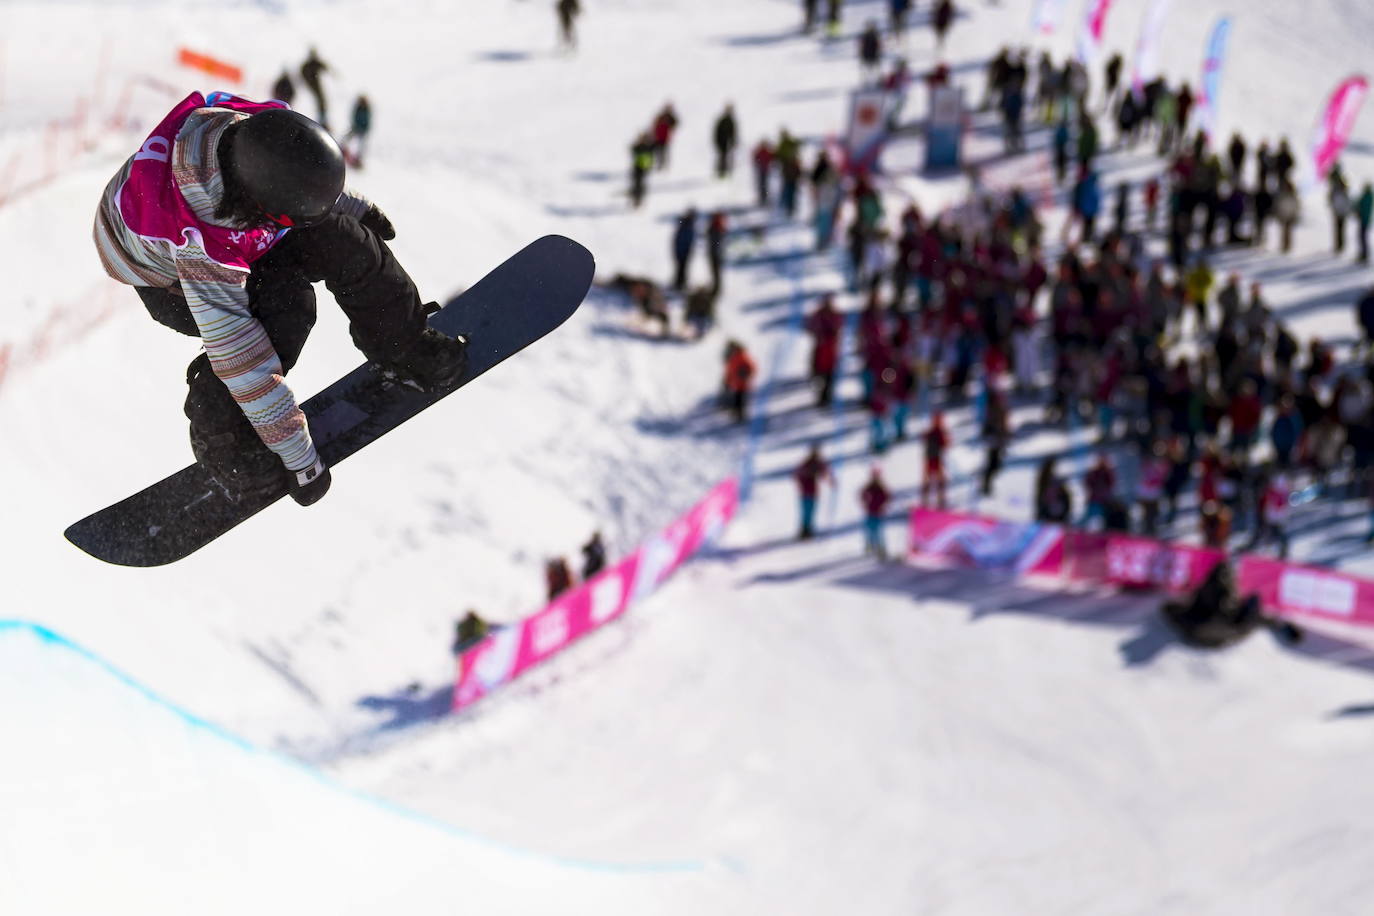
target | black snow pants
[{"x": 383, "y": 308}]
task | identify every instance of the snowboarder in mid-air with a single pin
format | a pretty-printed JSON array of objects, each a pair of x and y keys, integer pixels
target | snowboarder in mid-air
[{"x": 221, "y": 222}]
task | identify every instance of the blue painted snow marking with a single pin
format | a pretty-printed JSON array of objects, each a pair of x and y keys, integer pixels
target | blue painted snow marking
[{"x": 56, "y": 640}]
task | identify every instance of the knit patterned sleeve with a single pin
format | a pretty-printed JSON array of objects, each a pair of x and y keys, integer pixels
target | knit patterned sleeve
[{"x": 242, "y": 356}]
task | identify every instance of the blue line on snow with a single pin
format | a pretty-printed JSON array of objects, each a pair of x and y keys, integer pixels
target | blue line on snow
[{"x": 45, "y": 635}]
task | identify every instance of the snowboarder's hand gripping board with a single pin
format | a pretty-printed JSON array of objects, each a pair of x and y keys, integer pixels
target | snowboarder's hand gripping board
[{"x": 510, "y": 308}]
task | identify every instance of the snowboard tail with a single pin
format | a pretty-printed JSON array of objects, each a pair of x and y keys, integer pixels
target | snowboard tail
[{"x": 527, "y": 297}]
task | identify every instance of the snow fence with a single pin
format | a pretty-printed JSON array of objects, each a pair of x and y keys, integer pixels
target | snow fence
[
  {"x": 509, "y": 651},
  {"x": 1128, "y": 561}
]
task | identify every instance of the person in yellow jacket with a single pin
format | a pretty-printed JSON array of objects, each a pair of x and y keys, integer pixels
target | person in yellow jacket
[{"x": 1199, "y": 282}]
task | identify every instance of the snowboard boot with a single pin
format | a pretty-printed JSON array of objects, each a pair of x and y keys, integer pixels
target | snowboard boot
[
  {"x": 224, "y": 443},
  {"x": 433, "y": 363},
  {"x": 245, "y": 472}
]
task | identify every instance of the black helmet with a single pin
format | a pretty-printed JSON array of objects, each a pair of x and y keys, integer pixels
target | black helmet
[{"x": 288, "y": 165}]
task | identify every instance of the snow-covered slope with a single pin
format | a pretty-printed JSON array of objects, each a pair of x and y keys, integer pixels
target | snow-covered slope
[
  {"x": 786, "y": 714},
  {"x": 132, "y": 806}
]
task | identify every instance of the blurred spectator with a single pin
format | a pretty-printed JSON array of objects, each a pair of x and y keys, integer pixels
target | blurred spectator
[
  {"x": 809, "y": 476},
  {"x": 739, "y": 378},
  {"x": 665, "y": 125},
  {"x": 726, "y": 137},
  {"x": 360, "y": 125},
  {"x": 1100, "y": 483},
  {"x": 283, "y": 90},
  {"x": 311, "y": 72},
  {"x": 1053, "y": 503},
  {"x": 557, "y": 576},
  {"x": 824, "y": 325},
  {"x": 875, "y": 497},
  {"x": 469, "y": 631},
  {"x": 641, "y": 161},
  {"x": 593, "y": 556},
  {"x": 684, "y": 239},
  {"x": 568, "y": 11},
  {"x": 936, "y": 440}
]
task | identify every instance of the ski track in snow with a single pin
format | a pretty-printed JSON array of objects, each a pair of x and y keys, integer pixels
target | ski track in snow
[{"x": 829, "y": 736}]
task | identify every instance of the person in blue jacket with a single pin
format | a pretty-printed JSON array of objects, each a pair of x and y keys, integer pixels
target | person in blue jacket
[
  {"x": 1087, "y": 202},
  {"x": 684, "y": 237}
]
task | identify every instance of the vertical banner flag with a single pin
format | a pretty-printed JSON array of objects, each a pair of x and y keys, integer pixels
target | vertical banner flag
[
  {"x": 945, "y": 127},
  {"x": 1337, "y": 123},
  {"x": 1046, "y": 15},
  {"x": 867, "y": 128},
  {"x": 1211, "y": 76},
  {"x": 1146, "y": 58},
  {"x": 1090, "y": 36}
]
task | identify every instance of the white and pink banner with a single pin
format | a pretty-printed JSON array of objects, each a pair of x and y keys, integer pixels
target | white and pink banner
[
  {"x": 509, "y": 651},
  {"x": 1337, "y": 123},
  {"x": 1210, "y": 95},
  {"x": 867, "y": 132},
  {"x": 1047, "y": 15},
  {"x": 1146, "y": 64},
  {"x": 1306, "y": 591},
  {"x": 987, "y": 543},
  {"x": 1090, "y": 35},
  {"x": 1133, "y": 562},
  {"x": 1286, "y": 589}
]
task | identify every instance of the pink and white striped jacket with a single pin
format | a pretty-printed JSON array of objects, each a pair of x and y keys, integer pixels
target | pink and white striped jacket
[{"x": 156, "y": 227}]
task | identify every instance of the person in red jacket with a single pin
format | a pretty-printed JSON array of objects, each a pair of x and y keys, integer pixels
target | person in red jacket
[
  {"x": 936, "y": 441},
  {"x": 875, "y": 497},
  {"x": 1245, "y": 411},
  {"x": 1100, "y": 482},
  {"x": 557, "y": 576},
  {"x": 1151, "y": 203},
  {"x": 824, "y": 325},
  {"x": 664, "y": 126},
  {"x": 739, "y": 377},
  {"x": 763, "y": 171},
  {"x": 809, "y": 476}
]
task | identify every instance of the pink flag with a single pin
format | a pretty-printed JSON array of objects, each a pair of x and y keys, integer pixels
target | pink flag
[
  {"x": 1090, "y": 38},
  {"x": 1338, "y": 122}
]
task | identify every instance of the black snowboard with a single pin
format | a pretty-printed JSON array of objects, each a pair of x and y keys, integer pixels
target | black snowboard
[{"x": 507, "y": 310}]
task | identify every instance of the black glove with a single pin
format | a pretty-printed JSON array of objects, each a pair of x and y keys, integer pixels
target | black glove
[
  {"x": 308, "y": 486},
  {"x": 376, "y": 220}
]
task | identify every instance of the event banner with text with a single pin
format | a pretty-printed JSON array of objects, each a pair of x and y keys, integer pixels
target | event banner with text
[
  {"x": 1129, "y": 561},
  {"x": 509, "y": 651}
]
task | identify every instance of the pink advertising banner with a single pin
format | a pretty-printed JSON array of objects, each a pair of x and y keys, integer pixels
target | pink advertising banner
[
  {"x": 1306, "y": 591},
  {"x": 1286, "y": 589},
  {"x": 1133, "y": 562},
  {"x": 509, "y": 651},
  {"x": 1337, "y": 123}
]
